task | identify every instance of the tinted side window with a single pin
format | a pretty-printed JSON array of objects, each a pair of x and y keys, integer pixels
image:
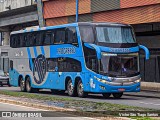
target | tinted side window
[
  {"x": 69, "y": 65},
  {"x": 48, "y": 37},
  {"x": 31, "y": 39},
  {"x": 12, "y": 41},
  {"x": 60, "y": 36},
  {"x": 87, "y": 34},
  {"x": 91, "y": 59},
  {"x": 71, "y": 35},
  {"x": 22, "y": 42},
  {"x": 15, "y": 41},
  {"x": 27, "y": 41},
  {"x": 52, "y": 65},
  {"x": 38, "y": 39}
]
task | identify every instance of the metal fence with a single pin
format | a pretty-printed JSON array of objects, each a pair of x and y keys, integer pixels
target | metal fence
[{"x": 150, "y": 69}]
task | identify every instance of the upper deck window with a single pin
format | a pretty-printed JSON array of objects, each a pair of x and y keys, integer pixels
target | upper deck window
[
  {"x": 87, "y": 34},
  {"x": 71, "y": 35},
  {"x": 15, "y": 41},
  {"x": 66, "y": 35},
  {"x": 109, "y": 34},
  {"x": 48, "y": 37},
  {"x": 60, "y": 36}
]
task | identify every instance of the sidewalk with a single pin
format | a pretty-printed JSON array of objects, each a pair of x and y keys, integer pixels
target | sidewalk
[
  {"x": 145, "y": 93},
  {"x": 150, "y": 86}
]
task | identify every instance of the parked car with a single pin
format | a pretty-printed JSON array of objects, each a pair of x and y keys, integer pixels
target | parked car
[{"x": 4, "y": 78}]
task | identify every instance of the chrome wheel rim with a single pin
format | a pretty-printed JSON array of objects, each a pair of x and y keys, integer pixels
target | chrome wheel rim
[
  {"x": 80, "y": 89},
  {"x": 70, "y": 88},
  {"x": 22, "y": 85},
  {"x": 28, "y": 86}
]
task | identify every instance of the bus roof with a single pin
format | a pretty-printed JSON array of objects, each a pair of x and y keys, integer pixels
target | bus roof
[
  {"x": 103, "y": 23},
  {"x": 36, "y": 28}
]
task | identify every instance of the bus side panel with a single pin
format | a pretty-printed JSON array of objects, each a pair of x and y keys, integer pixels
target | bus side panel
[
  {"x": 87, "y": 82},
  {"x": 13, "y": 76},
  {"x": 13, "y": 73},
  {"x": 20, "y": 63}
]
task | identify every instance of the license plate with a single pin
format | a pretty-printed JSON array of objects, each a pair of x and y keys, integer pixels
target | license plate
[{"x": 121, "y": 89}]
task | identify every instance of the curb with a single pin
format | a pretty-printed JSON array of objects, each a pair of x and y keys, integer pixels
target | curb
[
  {"x": 150, "y": 86},
  {"x": 44, "y": 107}
]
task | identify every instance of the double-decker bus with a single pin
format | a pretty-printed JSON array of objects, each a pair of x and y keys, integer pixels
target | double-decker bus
[{"x": 80, "y": 58}]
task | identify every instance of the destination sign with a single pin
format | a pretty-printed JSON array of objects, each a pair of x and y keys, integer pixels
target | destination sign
[
  {"x": 121, "y": 50},
  {"x": 67, "y": 50}
]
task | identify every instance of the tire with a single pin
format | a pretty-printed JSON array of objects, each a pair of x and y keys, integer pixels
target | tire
[
  {"x": 28, "y": 85},
  {"x": 106, "y": 95},
  {"x": 29, "y": 88},
  {"x": 1, "y": 85},
  {"x": 70, "y": 89},
  {"x": 22, "y": 85},
  {"x": 80, "y": 90},
  {"x": 117, "y": 95},
  {"x": 9, "y": 84}
]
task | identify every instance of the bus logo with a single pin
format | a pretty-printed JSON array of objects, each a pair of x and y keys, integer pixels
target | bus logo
[{"x": 39, "y": 69}]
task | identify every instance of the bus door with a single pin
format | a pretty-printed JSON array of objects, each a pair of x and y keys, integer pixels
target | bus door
[
  {"x": 55, "y": 75},
  {"x": 12, "y": 74},
  {"x": 57, "y": 78}
]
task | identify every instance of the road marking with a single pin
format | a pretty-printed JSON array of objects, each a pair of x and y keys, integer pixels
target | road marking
[{"x": 150, "y": 103}]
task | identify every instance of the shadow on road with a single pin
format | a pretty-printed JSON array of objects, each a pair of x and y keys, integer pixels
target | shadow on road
[{"x": 90, "y": 96}]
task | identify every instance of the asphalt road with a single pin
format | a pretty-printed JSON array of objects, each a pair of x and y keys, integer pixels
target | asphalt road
[
  {"x": 139, "y": 101},
  {"x": 18, "y": 109}
]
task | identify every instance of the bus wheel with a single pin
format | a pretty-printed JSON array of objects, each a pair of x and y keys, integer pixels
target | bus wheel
[
  {"x": 9, "y": 85},
  {"x": 80, "y": 90},
  {"x": 106, "y": 95},
  {"x": 117, "y": 95},
  {"x": 28, "y": 85},
  {"x": 70, "y": 88},
  {"x": 22, "y": 85}
]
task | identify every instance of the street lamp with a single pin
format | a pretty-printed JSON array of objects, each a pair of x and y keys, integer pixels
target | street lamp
[{"x": 77, "y": 7}]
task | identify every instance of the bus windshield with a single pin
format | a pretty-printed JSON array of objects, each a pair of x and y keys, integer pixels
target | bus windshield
[
  {"x": 114, "y": 34},
  {"x": 119, "y": 64},
  {"x": 107, "y": 34}
]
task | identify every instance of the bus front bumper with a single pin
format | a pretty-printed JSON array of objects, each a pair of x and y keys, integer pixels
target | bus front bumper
[
  {"x": 102, "y": 88},
  {"x": 119, "y": 85}
]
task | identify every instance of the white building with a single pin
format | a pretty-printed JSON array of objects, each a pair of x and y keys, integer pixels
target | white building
[{"x": 15, "y": 15}]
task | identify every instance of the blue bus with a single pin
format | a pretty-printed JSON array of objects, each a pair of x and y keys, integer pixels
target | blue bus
[{"x": 80, "y": 58}]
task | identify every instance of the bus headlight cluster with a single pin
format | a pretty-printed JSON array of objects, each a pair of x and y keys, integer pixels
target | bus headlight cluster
[
  {"x": 137, "y": 81},
  {"x": 102, "y": 87},
  {"x": 100, "y": 80}
]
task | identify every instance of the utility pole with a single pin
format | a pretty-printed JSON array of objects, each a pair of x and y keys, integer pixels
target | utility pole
[
  {"x": 77, "y": 8},
  {"x": 40, "y": 13}
]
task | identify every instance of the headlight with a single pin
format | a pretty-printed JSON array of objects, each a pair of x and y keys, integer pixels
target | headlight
[
  {"x": 100, "y": 80},
  {"x": 136, "y": 81}
]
